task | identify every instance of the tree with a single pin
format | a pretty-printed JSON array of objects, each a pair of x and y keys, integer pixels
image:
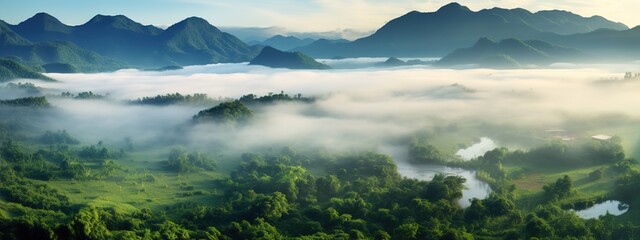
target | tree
[
  {"x": 558, "y": 190},
  {"x": 406, "y": 231},
  {"x": 89, "y": 225},
  {"x": 273, "y": 206},
  {"x": 229, "y": 113},
  {"x": 259, "y": 230},
  {"x": 170, "y": 230},
  {"x": 537, "y": 227}
]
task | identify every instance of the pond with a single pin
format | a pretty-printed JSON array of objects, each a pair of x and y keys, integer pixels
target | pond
[
  {"x": 477, "y": 149},
  {"x": 612, "y": 207},
  {"x": 474, "y": 188}
]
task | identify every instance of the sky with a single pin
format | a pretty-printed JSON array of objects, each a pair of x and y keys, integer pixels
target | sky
[{"x": 294, "y": 15}]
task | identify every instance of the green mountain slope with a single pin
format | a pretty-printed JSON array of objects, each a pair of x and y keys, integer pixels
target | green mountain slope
[
  {"x": 9, "y": 38},
  {"x": 62, "y": 52},
  {"x": 10, "y": 70}
]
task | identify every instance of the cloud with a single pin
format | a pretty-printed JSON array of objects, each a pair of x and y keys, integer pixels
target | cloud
[{"x": 355, "y": 108}]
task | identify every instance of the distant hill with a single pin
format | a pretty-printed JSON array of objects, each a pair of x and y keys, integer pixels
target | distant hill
[
  {"x": 275, "y": 58},
  {"x": 454, "y": 26},
  {"x": 286, "y": 43},
  {"x": 191, "y": 41},
  {"x": 10, "y": 70},
  {"x": 509, "y": 53},
  {"x": 395, "y": 62},
  {"x": 607, "y": 44}
]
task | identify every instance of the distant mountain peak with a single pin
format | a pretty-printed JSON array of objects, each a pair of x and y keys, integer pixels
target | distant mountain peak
[
  {"x": 484, "y": 41},
  {"x": 43, "y": 17},
  {"x": 101, "y": 22},
  {"x": 108, "y": 20},
  {"x": 453, "y": 7},
  {"x": 44, "y": 21},
  {"x": 192, "y": 23},
  {"x": 195, "y": 20}
]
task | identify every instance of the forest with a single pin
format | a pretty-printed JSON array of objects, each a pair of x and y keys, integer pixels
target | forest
[{"x": 56, "y": 186}]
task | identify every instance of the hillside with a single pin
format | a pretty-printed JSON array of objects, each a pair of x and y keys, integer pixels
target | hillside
[
  {"x": 10, "y": 70},
  {"x": 9, "y": 38},
  {"x": 418, "y": 34},
  {"x": 509, "y": 53},
  {"x": 275, "y": 58},
  {"x": 45, "y": 53}
]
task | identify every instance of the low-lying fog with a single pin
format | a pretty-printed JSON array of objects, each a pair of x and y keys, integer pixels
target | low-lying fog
[{"x": 354, "y": 107}]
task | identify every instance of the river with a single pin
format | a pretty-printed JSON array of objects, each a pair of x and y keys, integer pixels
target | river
[
  {"x": 474, "y": 188},
  {"x": 612, "y": 207}
]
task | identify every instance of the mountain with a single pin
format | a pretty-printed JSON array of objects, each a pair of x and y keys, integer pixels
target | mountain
[
  {"x": 116, "y": 37},
  {"x": 275, "y": 58},
  {"x": 510, "y": 53},
  {"x": 10, "y": 70},
  {"x": 195, "y": 41},
  {"x": 286, "y": 43},
  {"x": 43, "y": 27},
  {"x": 454, "y": 26}
]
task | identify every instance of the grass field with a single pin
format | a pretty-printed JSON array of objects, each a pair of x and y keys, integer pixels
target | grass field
[{"x": 143, "y": 183}]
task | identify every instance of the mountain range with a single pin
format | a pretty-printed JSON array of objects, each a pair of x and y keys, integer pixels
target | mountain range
[
  {"x": 510, "y": 53},
  {"x": 107, "y": 43},
  {"x": 453, "y": 26},
  {"x": 112, "y": 42}
]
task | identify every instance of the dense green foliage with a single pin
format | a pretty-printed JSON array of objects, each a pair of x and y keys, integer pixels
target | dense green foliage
[
  {"x": 19, "y": 90},
  {"x": 252, "y": 99},
  {"x": 229, "y": 113},
  {"x": 176, "y": 98},
  {"x": 36, "y": 102},
  {"x": 59, "y": 137},
  {"x": 54, "y": 186},
  {"x": 181, "y": 161}
]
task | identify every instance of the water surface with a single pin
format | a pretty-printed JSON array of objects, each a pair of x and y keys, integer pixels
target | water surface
[{"x": 612, "y": 207}]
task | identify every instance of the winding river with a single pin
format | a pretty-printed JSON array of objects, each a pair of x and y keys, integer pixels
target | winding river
[
  {"x": 477, "y": 149},
  {"x": 474, "y": 188}
]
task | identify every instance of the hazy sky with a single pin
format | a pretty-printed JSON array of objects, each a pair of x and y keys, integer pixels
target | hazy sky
[{"x": 297, "y": 15}]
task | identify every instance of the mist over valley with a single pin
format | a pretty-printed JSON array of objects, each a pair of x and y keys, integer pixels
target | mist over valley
[{"x": 446, "y": 124}]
